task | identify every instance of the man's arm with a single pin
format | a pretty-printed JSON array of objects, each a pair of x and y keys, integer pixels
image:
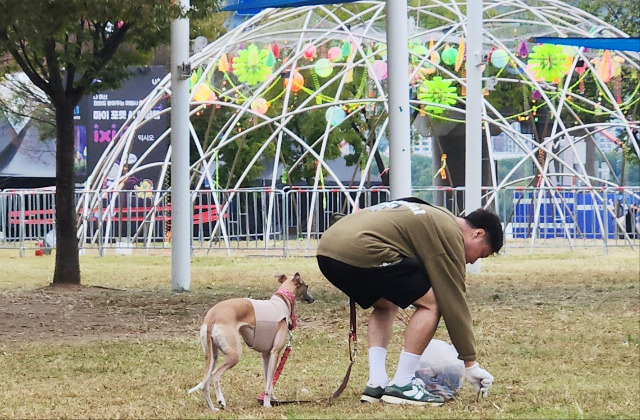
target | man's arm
[{"x": 447, "y": 280}]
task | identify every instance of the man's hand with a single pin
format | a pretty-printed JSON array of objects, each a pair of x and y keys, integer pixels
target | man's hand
[{"x": 479, "y": 378}]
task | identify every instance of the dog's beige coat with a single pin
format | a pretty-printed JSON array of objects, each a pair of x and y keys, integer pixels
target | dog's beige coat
[{"x": 268, "y": 314}]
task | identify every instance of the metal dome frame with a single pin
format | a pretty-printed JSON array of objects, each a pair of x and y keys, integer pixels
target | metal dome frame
[{"x": 359, "y": 24}]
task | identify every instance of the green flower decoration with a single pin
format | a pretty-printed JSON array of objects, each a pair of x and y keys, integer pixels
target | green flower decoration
[
  {"x": 252, "y": 66},
  {"x": 548, "y": 62},
  {"x": 437, "y": 91}
]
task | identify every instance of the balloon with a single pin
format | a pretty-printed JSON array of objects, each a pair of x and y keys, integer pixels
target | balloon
[
  {"x": 297, "y": 83},
  {"x": 260, "y": 106},
  {"x": 499, "y": 58},
  {"x": 334, "y": 54},
  {"x": 309, "y": 51},
  {"x": 335, "y": 115},
  {"x": 323, "y": 67},
  {"x": 418, "y": 51},
  {"x": 379, "y": 70},
  {"x": 434, "y": 58},
  {"x": 449, "y": 56},
  {"x": 202, "y": 93}
]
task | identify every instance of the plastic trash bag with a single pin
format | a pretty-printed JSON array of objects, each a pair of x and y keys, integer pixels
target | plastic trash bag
[{"x": 441, "y": 370}]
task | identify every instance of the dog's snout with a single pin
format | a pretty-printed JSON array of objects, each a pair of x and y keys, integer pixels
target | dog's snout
[{"x": 308, "y": 298}]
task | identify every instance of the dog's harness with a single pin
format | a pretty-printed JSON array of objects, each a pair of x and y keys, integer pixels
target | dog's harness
[{"x": 269, "y": 313}]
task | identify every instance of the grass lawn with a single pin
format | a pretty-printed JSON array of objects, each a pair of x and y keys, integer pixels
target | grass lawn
[{"x": 558, "y": 330}]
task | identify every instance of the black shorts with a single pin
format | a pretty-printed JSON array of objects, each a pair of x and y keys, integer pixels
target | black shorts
[{"x": 402, "y": 283}]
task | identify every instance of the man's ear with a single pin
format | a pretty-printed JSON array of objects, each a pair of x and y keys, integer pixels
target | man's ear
[{"x": 479, "y": 233}]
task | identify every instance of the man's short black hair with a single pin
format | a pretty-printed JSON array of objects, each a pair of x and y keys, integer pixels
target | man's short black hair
[{"x": 490, "y": 222}]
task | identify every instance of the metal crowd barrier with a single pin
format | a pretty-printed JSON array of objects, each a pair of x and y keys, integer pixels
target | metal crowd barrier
[
  {"x": 290, "y": 221},
  {"x": 259, "y": 221}
]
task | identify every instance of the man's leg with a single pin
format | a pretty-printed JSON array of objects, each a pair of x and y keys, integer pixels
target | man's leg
[
  {"x": 419, "y": 332},
  {"x": 379, "y": 333}
]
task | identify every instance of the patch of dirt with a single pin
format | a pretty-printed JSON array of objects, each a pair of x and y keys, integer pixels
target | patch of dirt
[{"x": 70, "y": 313}]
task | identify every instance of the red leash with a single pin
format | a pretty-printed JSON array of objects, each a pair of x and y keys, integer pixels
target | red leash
[{"x": 353, "y": 349}]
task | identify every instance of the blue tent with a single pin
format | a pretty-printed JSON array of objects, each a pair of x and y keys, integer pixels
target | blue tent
[
  {"x": 257, "y": 5},
  {"x": 618, "y": 44}
]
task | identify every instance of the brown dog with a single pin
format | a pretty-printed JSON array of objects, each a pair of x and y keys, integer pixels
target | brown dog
[{"x": 263, "y": 324}]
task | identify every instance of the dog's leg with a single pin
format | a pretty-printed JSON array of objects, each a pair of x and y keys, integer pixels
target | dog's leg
[
  {"x": 205, "y": 390},
  {"x": 279, "y": 343},
  {"x": 265, "y": 367},
  {"x": 210, "y": 358},
  {"x": 229, "y": 342},
  {"x": 272, "y": 360}
]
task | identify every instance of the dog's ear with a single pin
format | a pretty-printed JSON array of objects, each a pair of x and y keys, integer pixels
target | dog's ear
[
  {"x": 297, "y": 279},
  {"x": 281, "y": 277}
]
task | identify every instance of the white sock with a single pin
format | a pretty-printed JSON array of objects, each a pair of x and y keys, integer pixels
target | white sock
[
  {"x": 377, "y": 367},
  {"x": 406, "y": 368}
]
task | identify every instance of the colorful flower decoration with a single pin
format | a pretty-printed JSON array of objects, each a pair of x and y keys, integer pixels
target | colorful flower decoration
[
  {"x": 548, "y": 62},
  {"x": 437, "y": 91},
  {"x": 251, "y": 66}
]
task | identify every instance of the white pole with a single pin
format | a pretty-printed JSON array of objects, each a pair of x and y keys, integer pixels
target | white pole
[
  {"x": 399, "y": 112},
  {"x": 473, "y": 137},
  {"x": 180, "y": 194}
]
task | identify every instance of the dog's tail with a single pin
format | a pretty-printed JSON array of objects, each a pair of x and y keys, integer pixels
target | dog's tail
[
  {"x": 207, "y": 349},
  {"x": 204, "y": 337},
  {"x": 195, "y": 388}
]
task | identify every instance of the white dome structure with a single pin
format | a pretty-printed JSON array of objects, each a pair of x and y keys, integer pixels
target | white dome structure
[{"x": 275, "y": 97}]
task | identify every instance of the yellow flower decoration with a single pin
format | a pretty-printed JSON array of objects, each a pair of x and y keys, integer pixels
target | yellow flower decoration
[
  {"x": 548, "y": 62},
  {"x": 437, "y": 91},
  {"x": 251, "y": 65}
]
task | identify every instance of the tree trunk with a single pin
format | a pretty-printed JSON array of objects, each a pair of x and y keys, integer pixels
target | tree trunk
[{"x": 67, "y": 270}]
